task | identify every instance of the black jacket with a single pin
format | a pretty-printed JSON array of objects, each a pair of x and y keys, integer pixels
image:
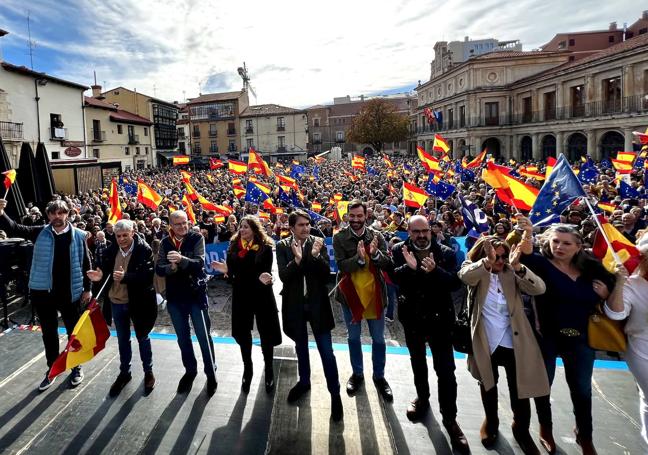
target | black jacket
[
  {"x": 188, "y": 282},
  {"x": 138, "y": 278},
  {"x": 425, "y": 298},
  {"x": 317, "y": 272}
]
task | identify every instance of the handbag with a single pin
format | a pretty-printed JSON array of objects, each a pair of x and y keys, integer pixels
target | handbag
[
  {"x": 461, "y": 332},
  {"x": 605, "y": 334}
]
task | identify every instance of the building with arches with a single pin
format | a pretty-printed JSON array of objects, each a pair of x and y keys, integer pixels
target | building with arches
[{"x": 531, "y": 105}]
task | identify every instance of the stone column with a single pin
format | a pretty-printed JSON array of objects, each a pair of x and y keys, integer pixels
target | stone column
[
  {"x": 536, "y": 153},
  {"x": 627, "y": 136},
  {"x": 476, "y": 143},
  {"x": 593, "y": 151},
  {"x": 559, "y": 143}
]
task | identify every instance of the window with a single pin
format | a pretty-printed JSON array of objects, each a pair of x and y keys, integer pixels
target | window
[
  {"x": 212, "y": 130},
  {"x": 572, "y": 42},
  {"x": 196, "y": 131},
  {"x": 137, "y": 150},
  {"x": 232, "y": 145},
  {"x": 450, "y": 119},
  {"x": 120, "y": 129},
  {"x": 317, "y": 138},
  {"x": 492, "y": 113},
  {"x": 249, "y": 143},
  {"x": 145, "y": 150},
  {"x": 281, "y": 124},
  {"x": 577, "y": 101},
  {"x": 316, "y": 122},
  {"x": 248, "y": 127},
  {"x": 231, "y": 129},
  {"x": 281, "y": 141},
  {"x": 181, "y": 133},
  {"x": 213, "y": 148},
  {"x": 526, "y": 109},
  {"x": 181, "y": 147},
  {"x": 612, "y": 95},
  {"x": 95, "y": 153},
  {"x": 145, "y": 131},
  {"x": 462, "y": 116},
  {"x": 197, "y": 150},
  {"x": 611, "y": 39},
  {"x": 339, "y": 136},
  {"x": 126, "y": 151},
  {"x": 550, "y": 106}
]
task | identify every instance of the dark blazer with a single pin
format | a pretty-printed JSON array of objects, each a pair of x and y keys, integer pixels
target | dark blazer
[
  {"x": 252, "y": 298},
  {"x": 181, "y": 283},
  {"x": 426, "y": 297},
  {"x": 316, "y": 272},
  {"x": 138, "y": 278}
]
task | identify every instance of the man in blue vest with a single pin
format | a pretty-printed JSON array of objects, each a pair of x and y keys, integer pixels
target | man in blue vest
[{"x": 57, "y": 280}]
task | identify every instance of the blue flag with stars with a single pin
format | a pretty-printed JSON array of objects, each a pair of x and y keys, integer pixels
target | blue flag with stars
[
  {"x": 628, "y": 192},
  {"x": 588, "y": 173},
  {"x": 254, "y": 194},
  {"x": 558, "y": 192},
  {"x": 316, "y": 217},
  {"x": 297, "y": 171},
  {"x": 439, "y": 189},
  {"x": 474, "y": 218}
]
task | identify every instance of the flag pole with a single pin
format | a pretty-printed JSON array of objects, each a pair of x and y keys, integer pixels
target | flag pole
[
  {"x": 6, "y": 193},
  {"x": 602, "y": 232}
]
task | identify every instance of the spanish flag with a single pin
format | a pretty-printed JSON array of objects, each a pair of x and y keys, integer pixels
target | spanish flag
[
  {"x": 479, "y": 159},
  {"x": 264, "y": 216},
  {"x": 186, "y": 176},
  {"x": 430, "y": 163},
  {"x": 362, "y": 291},
  {"x": 628, "y": 157},
  {"x": 551, "y": 162},
  {"x": 413, "y": 196},
  {"x": 624, "y": 248},
  {"x": 10, "y": 177},
  {"x": 256, "y": 162},
  {"x": 509, "y": 189},
  {"x": 607, "y": 206},
  {"x": 87, "y": 339},
  {"x": 191, "y": 191},
  {"x": 358, "y": 162},
  {"x": 147, "y": 196},
  {"x": 286, "y": 181},
  {"x": 622, "y": 167},
  {"x": 440, "y": 144},
  {"x": 239, "y": 191},
  {"x": 531, "y": 172},
  {"x": 236, "y": 181},
  {"x": 189, "y": 209},
  {"x": 388, "y": 162},
  {"x": 115, "y": 206},
  {"x": 237, "y": 167},
  {"x": 180, "y": 160},
  {"x": 215, "y": 163},
  {"x": 316, "y": 207}
]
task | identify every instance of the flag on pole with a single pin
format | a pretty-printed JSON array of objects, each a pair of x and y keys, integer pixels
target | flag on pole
[
  {"x": 186, "y": 176},
  {"x": 624, "y": 248},
  {"x": 87, "y": 339},
  {"x": 180, "y": 160},
  {"x": 191, "y": 191},
  {"x": 237, "y": 167},
  {"x": 10, "y": 177},
  {"x": 115, "y": 206},
  {"x": 473, "y": 216},
  {"x": 387, "y": 161},
  {"x": 238, "y": 191},
  {"x": 215, "y": 163},
  {"x": 430, "y": 163},
  {"x": 191, "y": 216},
  {"x": 358, "y": 162},
  {"x": 413, "y": 196},
  {"x": 479, "y": 159},
  {"x": 147, "y": 196},
  {"x": 256, "y": 163},
  {"x": 438, "y": 187},
  {"x": 440, "y": 144}
]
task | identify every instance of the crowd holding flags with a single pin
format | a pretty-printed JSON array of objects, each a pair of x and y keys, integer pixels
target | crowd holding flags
[{"x": 113, "y": 200}]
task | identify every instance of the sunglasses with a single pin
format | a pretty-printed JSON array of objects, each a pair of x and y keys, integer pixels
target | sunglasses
[{"x": 502, "y": 257}]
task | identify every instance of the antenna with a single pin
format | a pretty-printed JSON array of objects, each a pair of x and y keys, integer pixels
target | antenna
[
  {"x": 95, "y": 77},
  {"x": 31, "y": 43},
  {"x": 243, "y": 72}
]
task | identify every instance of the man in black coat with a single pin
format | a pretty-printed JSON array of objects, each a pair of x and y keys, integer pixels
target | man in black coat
[
  {"x": 304, "y": 269},
  {"x": 130, "y": 293},
  {"x": 425, "y": 272}
]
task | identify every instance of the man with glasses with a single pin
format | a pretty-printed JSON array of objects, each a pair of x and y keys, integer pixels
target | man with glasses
[
  {"x": 425, "y": 272},
  {"x": 182, "y": 262}
]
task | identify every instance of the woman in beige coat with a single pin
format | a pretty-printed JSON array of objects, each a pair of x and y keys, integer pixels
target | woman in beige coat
[{"x": 502, "y": 335}]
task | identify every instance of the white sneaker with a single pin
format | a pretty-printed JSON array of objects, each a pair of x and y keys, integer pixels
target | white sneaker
[{"x": 76, "y": 377}]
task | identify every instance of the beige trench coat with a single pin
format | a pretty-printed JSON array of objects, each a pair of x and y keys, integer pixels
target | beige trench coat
[{"x": 531, "y": 374}]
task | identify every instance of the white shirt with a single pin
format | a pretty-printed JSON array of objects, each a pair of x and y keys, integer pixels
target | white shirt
[
  {"x": 66, "y": 229},
  {"x": 635, "y": 308},
  {"x": 495, "y": 315}
]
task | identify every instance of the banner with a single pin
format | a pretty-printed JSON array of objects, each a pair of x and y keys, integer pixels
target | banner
[{"x": 215, "y": 252}]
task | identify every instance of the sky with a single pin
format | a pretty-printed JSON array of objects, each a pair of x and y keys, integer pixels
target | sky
[{"x": 298, "y": 53}]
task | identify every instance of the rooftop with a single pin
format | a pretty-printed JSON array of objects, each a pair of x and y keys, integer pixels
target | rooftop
[
  {"x": 269, "y": 109},
  {"x": 27, "y": 72},
  {"x": 210, "y": 97}
]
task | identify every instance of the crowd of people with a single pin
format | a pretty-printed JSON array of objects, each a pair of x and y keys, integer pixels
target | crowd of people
[{"x": 530, "y": 291}]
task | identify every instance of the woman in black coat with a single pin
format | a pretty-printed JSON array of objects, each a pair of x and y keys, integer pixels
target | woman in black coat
[{"x": 248, "y": 267}]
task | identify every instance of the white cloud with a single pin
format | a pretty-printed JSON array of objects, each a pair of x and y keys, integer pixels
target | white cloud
[{"x": 298, "y": 52}]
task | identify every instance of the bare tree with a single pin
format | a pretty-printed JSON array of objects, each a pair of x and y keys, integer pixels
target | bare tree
[{"x": 377, "y": 123}]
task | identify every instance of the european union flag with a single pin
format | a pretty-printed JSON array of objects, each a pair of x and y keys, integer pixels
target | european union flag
[
  {"x": 371, "y": 171},
  {"x": 468, "y": 175},
  {"x": 439, "y": 189},
  {"x": 558, "y": 192},
  {"x": 316, "y": 217},
  {"x": 254, "y": 194},
  {"x": 284, "y": 197},
  {"x": 292, "y": 199},
  {"x": 316, "y": 172},
  {"x": 606, "y": 163},
  {"x": 297, "y": 170},
  {"x": 628, "y": 192},
  {"x": 588, "y": 173},
  {"x": 473, "y": 216}
]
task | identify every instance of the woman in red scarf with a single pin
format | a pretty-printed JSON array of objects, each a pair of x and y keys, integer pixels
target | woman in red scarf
[{"x": 248, "y": 267}]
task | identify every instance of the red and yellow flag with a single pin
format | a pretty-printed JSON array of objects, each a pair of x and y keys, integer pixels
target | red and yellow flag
[
  {"x": 509, "y": 189},
  {"x": 180, "y": 160},
  {"x": 215, "y": 163},
  {"x": 607, "y": 206},
  {"x": 147, "y": 196},
  {"x": 551, "y": 162},
  {"x": 479, "y": 159},
  {"x": 191, "y": 216},
  {"x": 316, "y": 207},
  {"x": 413, "y": 196},
  {"x": 358, "y": 162},
  {"x": 191, "y": 191},
  {"x": 239, "y": 191},
  {"x": 186, "y": 176},
  {"x": 440, "y": 144},
  {"x": 256, "y": 163},
  {"x": 115, "y": 206},
  {"x": 429, "y": 162},
  {"x": 624, "y": 248},
  {"x": 87, "y": 339},
  {"x": 10, "y": 177},
  {"x": 237, "y": 167},
  {"x": 388, "y": 162}
]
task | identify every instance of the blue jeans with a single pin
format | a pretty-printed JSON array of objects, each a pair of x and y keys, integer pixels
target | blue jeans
[
  {"x": 122, "y": 321},
  {"x": 392, "y": 296},
  {"x": 325, "y": 348},
  {"x": 180, "y": 313},
  {"x": 378, "y": 349}
]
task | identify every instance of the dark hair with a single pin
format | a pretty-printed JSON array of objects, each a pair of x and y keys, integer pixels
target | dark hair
[
  {"x": 354, "y": 204},
  {"x": 292, "y": 218},
  {"x": 260, "y": 237},
  {"x": 477, "y": 251},
  {"x": 56, "y": 206}
]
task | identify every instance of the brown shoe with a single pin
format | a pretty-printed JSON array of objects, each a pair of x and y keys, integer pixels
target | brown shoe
[
  {"x": 417, "y": 409},
  {"x": 488, "y": 432},
  {"x": 586, "y": 445},
  {"x": 524, "y": 440},
  {"x": 457, "y": 438},
  {"x": 547, "y": 439},
  {"x": 149, "y": 382}
]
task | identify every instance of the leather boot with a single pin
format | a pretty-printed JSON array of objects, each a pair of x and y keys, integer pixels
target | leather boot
[{"x": 524, "y": 439}]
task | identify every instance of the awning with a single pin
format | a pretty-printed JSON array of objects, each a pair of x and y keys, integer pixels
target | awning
[{"x": 167, "y": 155}]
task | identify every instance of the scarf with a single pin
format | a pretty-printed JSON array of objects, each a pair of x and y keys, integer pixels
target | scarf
[{"x": 245, "y": 246}]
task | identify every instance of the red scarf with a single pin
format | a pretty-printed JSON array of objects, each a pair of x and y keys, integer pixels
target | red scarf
[
  {"x": 245, "y": 246},
  {"x": 177, "y": 243}
]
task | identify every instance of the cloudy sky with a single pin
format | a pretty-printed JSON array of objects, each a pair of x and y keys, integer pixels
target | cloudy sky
[{"x": 298, "y": 53}]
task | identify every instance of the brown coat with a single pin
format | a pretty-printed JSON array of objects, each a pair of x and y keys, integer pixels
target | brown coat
[{"x": 531, "y": 374}]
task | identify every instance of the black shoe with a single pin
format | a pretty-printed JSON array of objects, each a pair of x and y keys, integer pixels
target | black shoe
[
  {"x": 269, "y": 382},
  {"x": 488, "y": 432},
  {"x": 46, "y": 383},
  {"x": 247, "y": 379},
  {"x": 149, "y": 382},
  {"x": 417, "y": 409},
  {"x": 212, "y": 384},
  {"x": 524, "y": 440},
  {"x": 457, "y": 437},
  {"x": 119, "y": 384},
  {"x": 76, "y": 377},
  {"x": 354, "y": 383},
  {"x": 297, "y": 392},
  {"x": 186, "y": 382},
  {"x": 384, "y": 389},
  {"x": 337, "y": 412}
]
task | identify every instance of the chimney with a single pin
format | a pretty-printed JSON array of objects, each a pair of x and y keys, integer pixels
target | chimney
[
  {"x": 644, "y": 16},
  {"x": 613, "y": 26},
  {"x": 96, "y": 92},
  {"x": 465, "y": 38}
]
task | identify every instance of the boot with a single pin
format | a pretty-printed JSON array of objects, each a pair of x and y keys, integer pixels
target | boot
[
  {"x": 488, "y": 432},
  {"x": 524, "y": 439},
  {"x": 547, "y": 439},
  {"x": 489, "y": 429},
  {"x": 586, "y": 445}
]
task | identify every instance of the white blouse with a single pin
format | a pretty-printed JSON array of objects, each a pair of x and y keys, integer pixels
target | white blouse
[
  {"x": 496, "y": 316},
  {"x": 635, "y": 308}
]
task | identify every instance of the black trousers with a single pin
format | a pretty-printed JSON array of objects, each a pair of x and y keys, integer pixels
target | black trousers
[
  {"x": 505, "y": 357},
  {"x": 440, "y": 343},
  {"x": 47, "y": 308}
]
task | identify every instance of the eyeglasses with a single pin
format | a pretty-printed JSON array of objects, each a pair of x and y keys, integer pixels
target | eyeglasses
[{"x": 419, "y": 231}]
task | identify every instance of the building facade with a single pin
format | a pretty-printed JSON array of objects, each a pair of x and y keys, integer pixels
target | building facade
[
  {"x": 161, "y": 113},
  {"x": 274, "y": 130},
  {"x": 527, "y": 105},
  {"x": 213, "y": 121},
  {"x": 118, "y": 136},
  {"x": 36, "y": 107}
]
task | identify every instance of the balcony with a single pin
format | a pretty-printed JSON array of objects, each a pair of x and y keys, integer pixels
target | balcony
[
  {"x": 281, "y": 127},
  {"x": 213, "y": 149},
  {"x": 249, "y": 130},
  {"x": 11, "y": 131},
  {"x": 231, "y": 131},
  {"x": 339, "y": 140},
  {"x": 281, "y": 149},
  {"x": 58, "y": 134},
  {"x": 98, "y": 136},
  {"x": 196, "y": 133},
  {"x": 231, "y": 148},
  {"x": 133, "y": 139}
]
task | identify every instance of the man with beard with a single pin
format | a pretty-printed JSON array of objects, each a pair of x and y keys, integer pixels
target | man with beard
[
  {"x": 425, "y": 272},
  {"x": 361, "y": 254},
  {"x": 57, "y": 280}
]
